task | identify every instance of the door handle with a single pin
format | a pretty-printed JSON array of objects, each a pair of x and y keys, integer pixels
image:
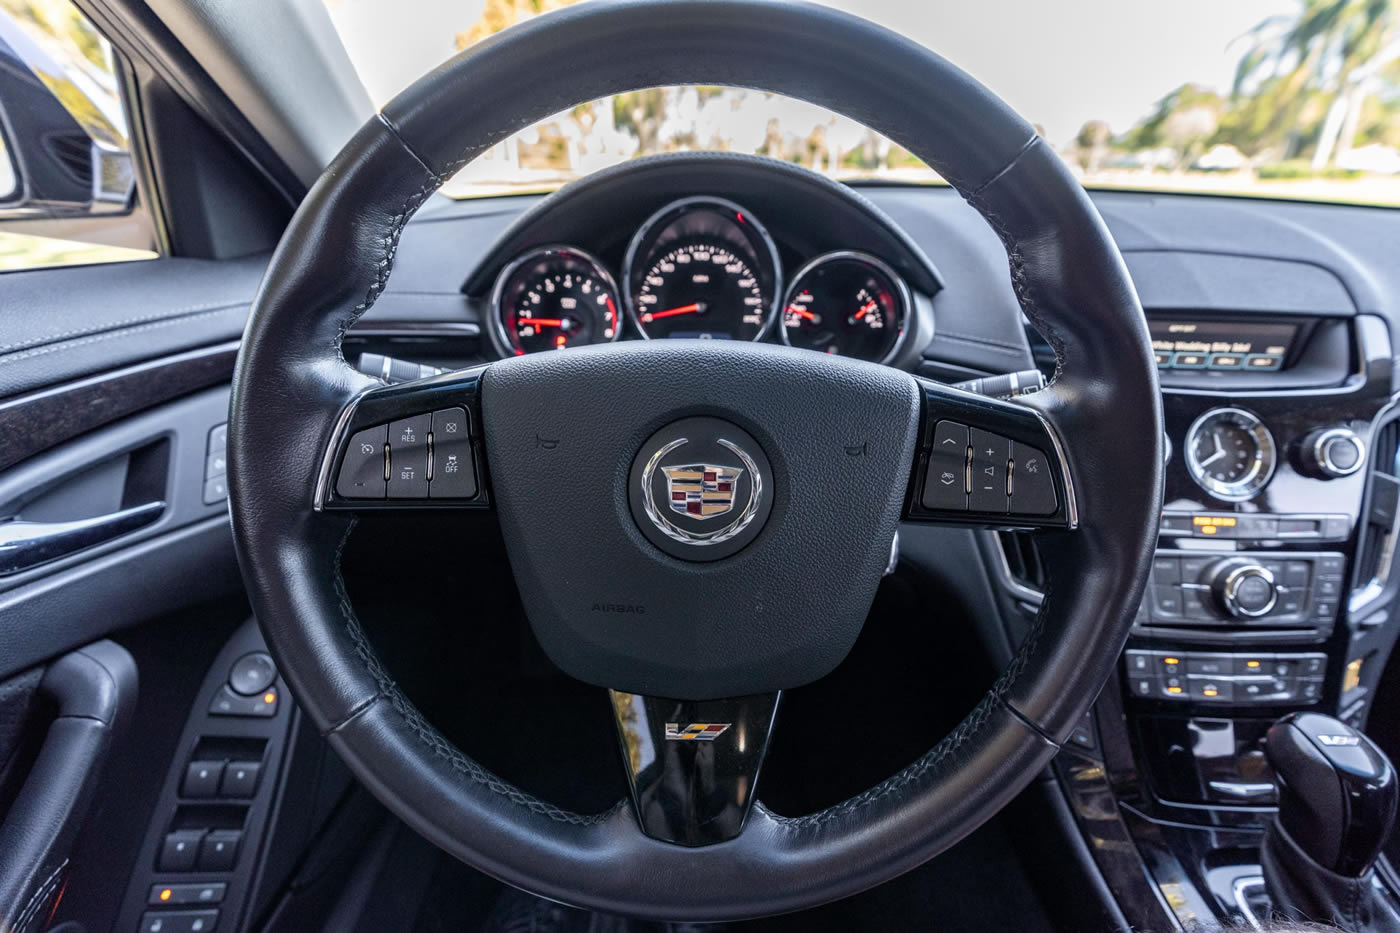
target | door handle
[{"x": 25, "y": 545}]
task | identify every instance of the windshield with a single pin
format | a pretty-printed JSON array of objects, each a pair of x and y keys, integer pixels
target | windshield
[{"x": 1273, "y": 98}]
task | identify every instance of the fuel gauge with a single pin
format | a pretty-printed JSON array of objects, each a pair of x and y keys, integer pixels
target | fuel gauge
[{"x": 846, "y": 303}]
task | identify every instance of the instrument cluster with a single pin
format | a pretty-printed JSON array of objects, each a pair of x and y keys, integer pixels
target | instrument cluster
[{"x": 701, "y": 268}]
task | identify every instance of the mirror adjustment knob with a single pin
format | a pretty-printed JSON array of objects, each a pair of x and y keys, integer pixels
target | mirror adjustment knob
[
  {"x": 1329, "y": 453},
  {"x": 1244, "y": 589},
  {"x": 252, "y": 674}
]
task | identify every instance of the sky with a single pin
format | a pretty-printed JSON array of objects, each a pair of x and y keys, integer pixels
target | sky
[{"x": 1057, "y": 63}]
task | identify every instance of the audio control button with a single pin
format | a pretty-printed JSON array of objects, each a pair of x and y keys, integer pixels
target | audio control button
[{"x": 1244, "y": 588}]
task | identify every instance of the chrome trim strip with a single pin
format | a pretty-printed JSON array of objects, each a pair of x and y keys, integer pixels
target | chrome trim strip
[
  {"x": 1071, "y": 501},
  {"x": 1239, "y": 888},
  {"x": 1002, "y": 569},
  {"x": 1371, "y": 591}
]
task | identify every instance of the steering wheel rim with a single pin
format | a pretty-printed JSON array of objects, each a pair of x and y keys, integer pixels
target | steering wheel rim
[{"x": 333, "y": 262}]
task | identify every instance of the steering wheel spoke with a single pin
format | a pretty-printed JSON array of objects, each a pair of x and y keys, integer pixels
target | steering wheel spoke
[
  {"x": 415, "y": 445},
  {"x": 987, "y": 462},
  {"x": 693, "y": 765}
]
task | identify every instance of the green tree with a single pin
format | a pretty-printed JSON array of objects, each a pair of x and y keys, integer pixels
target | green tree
[
  {"x": 1335, "y": 47},
  {"x": 1185, "y": 121},
  {"x": 501, "y": 14}
]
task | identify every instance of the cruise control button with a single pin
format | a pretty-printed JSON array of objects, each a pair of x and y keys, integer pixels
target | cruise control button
[
  {"x": 990, "y": 454},
  {"x": 454, "y": 468},
  {"x": 361, "y": 473},
  {"x": 945, "y": 485},
  {"x": 408, "y": 457},
  {"x": 1032, "y": 486}
]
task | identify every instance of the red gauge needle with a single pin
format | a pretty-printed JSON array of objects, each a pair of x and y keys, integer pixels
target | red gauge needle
[
  {"x": 673, "y": 312},
  {"x": 866, "y": 309},
  {"x": 542, "y": 321},
  {"x": 802, "y": 312}
]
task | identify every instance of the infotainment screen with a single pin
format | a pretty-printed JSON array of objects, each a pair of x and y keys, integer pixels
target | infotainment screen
[{"x": 1220, "y": 345}]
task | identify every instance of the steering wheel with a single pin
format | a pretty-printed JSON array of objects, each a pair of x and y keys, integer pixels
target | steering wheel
[{"x": 650, "y": 494}]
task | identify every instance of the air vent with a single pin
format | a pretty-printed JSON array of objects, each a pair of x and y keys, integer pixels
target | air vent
[
  {"x": 1377, "y": 539},
  {"x": 73, "y": 151},
  {"x": 1023, "y": 563}
]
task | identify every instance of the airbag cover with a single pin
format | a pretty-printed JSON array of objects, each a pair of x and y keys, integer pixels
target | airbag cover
[{"x": 564, "y": 432}]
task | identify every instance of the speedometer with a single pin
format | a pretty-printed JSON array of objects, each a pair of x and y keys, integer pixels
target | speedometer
[
  {"x": 701, "y": 290},
  {"x": 702, "y": 268}
]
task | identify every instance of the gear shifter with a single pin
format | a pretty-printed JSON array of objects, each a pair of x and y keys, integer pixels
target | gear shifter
[{"x": 1337, "y": 804}]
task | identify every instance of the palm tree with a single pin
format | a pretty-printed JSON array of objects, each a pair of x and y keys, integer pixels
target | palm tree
[{"x": 1335, "y": 46}]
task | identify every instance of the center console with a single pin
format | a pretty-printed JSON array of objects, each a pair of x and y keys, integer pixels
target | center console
[{"x": 1270, "y": 593}]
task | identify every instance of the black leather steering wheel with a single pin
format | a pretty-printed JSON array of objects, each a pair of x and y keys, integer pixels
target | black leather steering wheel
[{"x": 825, "y": 453}]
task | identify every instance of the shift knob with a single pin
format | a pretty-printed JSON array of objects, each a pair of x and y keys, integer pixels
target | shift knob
[{"x": 1337, "y": 791}]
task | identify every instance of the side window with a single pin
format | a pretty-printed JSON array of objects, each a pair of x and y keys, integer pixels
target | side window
[{"x": 67, "y": 183}]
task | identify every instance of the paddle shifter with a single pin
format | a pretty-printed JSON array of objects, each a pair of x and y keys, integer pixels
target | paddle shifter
[{"x": 1337, "y": 803}]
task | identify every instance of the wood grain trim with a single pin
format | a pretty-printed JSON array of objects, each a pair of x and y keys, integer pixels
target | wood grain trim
[{"x": 39, "y": 420}]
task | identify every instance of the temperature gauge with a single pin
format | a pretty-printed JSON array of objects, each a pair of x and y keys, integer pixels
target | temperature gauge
[{"x": 846, "y": 303}]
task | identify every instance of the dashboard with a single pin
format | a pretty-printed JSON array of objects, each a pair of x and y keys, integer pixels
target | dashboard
[
  {"x": 702, "y": 268},
  {"x": 746, "y": 250}
]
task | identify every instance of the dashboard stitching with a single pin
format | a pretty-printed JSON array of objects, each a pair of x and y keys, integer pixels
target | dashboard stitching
[
  {"x": 113, "y": 325},
  {"x": 110, "y": 335}
]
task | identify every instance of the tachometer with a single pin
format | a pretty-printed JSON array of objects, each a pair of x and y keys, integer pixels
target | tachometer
[
  {"x": 702, "y": 268},
  {"x": 553, "y": 298},
  {"x": 846, "y": 303}
]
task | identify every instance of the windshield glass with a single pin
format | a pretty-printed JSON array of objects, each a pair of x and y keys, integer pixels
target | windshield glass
[{"x": 1272, "y": 98}]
